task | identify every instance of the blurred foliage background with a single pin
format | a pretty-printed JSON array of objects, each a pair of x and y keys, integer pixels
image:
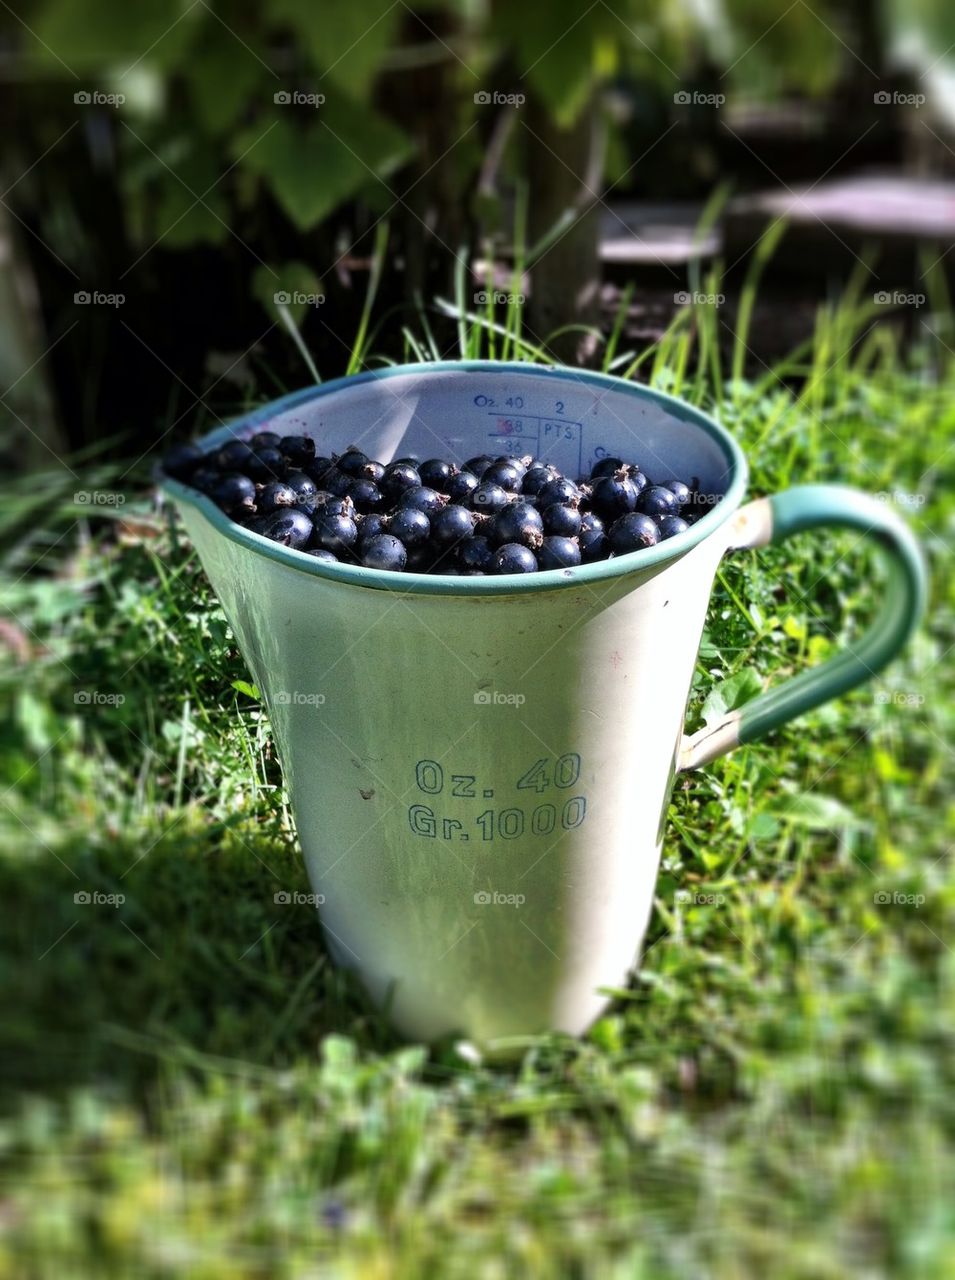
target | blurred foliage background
[{"x": 197, "y": 159}]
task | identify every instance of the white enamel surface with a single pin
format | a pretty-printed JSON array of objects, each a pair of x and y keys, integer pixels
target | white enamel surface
[
  {"x": 364, "y": 685},
  {"x": 457, "y": 413}
]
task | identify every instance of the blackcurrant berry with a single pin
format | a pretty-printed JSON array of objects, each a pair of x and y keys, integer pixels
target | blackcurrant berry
[
  {"x": 233, "y": 456},
  {"x": 182, "y": 460},
  {"x": 518, "y": 522},
  {"x": 561, "y": 521},
  {"x": 451, "y": 525},
  {"x": 657, "y": 501},
  {"x": 535, "y": 478},
  {"x": 670, "y": 526},
  {"x": 420, "y": 559},
  {"x": 265, "y": 440},
  {"x": 614, "y": 496},
  {"x": 320, "y": 553},
  {"x": 299, "y": 450},
  {"x": 680, "y": 491},
  {"x": 204, "y": 479},
  {"x": 336, "y": 533},
  {"x": 384, "y": 551},
  {"x": 476, "y": 555},
  {"x": 593, "y": 545},
  {"x": 558, "y": 553},
  {"x": 370, "y": 526},
  {"x": 366, "y": 495},
  {"x": 410, "y": 525},
  {"x": 276, "y": 494},
  {"x": 477, "y": 466},
  {"x": 462, "y": 486},
  {"x": 513, "y": 558},
  {"x": 632, "y": 532},
  {"x": 605, "y": 467},
  {"x": 302, "y": 485},
  {"x": 327, "y": 504},
  {"x": 437, "y": 474},
  {"x": 557, "y": 490},
  {"x": 352, "y": 462},
  {"x": 489, "y": 498},
  {"x": 398, "y": 477},
  {"x": 336, "y": 482},
  {"x": 318, "y": 469},
  {"x": 505, "y": 472},
  {"x": 291, "y": 528},
  {"x": 423, "y": 499},
  {"x": 234, "y": 493},
  {"x": 256, "y": 524},
  {"x": 266, "y": 464}
]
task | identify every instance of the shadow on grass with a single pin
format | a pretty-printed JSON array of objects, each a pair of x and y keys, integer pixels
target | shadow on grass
[{"x": 174, "y": 941}]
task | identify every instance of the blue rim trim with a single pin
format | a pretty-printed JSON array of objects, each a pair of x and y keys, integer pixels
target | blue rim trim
[{"x": 442, "y": 584}]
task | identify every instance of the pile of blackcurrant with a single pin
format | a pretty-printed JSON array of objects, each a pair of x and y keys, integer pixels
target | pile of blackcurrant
[{"x": 491, "y": 515}]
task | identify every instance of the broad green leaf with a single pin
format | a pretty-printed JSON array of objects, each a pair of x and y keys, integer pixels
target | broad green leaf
[
  {"x": 174, "y": 193},
  {"x": 243, "y": 686},
  {"x": 730, "y": 694},
  {"x": 292, "y": 284},
  {"x": 775, "y": 46},
  {"x": 819, "y": 813},
  {"x": 181, "y": 221},
  {"x": 99, "y": 34},
  {"x": 313, "y": 164},
  {"x": 564, "y": 57},
  {"x": 223, "y": 78},
  {"x": 762, "y": 826},
  {"x": 37, "y": 721},
  {"x": 347, "y": 40}
]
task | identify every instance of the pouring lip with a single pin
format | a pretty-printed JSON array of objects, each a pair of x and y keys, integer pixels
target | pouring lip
[{"x": 444, "y": 584}]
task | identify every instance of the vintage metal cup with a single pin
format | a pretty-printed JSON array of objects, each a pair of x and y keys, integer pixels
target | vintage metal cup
[{"x": 479, "y": 768}]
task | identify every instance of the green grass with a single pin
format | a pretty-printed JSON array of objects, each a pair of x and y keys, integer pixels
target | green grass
[{"x": 191, "y": 1088}]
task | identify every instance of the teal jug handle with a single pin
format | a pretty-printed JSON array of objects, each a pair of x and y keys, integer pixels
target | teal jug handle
[{"x": 772, "y": 520}]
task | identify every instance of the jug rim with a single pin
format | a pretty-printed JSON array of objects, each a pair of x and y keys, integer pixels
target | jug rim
[{"x": 444, "y": 584}]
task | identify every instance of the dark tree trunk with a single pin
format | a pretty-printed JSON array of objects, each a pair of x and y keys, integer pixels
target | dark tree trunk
[{"x": 564, "y": 169}]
